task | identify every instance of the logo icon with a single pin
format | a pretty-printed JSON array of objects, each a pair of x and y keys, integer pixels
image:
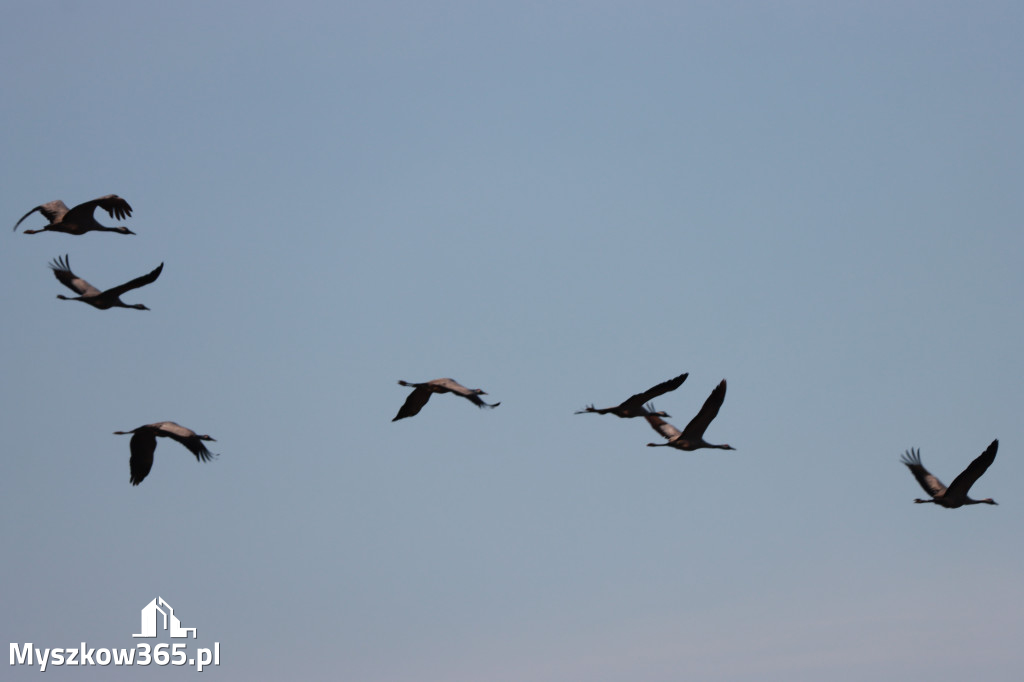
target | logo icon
[{"x": 149, "y": 620}]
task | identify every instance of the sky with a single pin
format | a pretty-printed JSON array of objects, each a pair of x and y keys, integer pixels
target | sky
[{"x": 561, "y": 203}]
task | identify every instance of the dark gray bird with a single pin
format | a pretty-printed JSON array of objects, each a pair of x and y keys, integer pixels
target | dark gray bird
[
  {"x": 79, "y": 219},
  {"x": 634, "y": 405},
  {"x": 422, "y": 392},
  {"x": 143, "y": 445},
  {"x": 692, "y": 437},
  {"x": 956, "y": 494},
  {"x": 87, "y": 293}
]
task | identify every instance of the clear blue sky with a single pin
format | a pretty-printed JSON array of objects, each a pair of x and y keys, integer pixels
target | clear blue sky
[{"x": 562, "y": 204}]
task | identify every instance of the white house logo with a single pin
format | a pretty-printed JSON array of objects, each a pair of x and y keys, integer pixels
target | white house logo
[
  {"x": 150, "y": 620},
  {"x": 157, "y": 615}
]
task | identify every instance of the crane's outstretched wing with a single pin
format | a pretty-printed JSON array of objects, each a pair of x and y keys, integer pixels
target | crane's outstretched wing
[
  {"x": 62, "y": 271},
  {"x": 637, "y": 401},
  {"x": 51, "y": 210},
  {"x": 962, "y": 483},
  {"x": 932, "y": 485},
  {"x": 142, "y": 445},
  {"x": 414, "y": 403},
  {"x": 136, "y": 283},
  {"x": 475, "y": 399},
  {"x": 699, "y": 424},
  {"x": 663, "y": 427},
  {"x": 114, "y": 205}
]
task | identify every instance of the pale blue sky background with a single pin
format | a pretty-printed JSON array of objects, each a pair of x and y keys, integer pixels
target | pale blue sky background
[{"x": 562, "y": 204}]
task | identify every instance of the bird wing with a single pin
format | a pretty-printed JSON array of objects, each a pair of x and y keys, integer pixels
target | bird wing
[
  {"x": 637, "y": 401},
  {"x": 699, "y": 424},
  {"x": 476, "y": 400},
  {"x": 962, "y": 483},
  {"x": 186, "y": 437},
  {"x": 114, "y": 205},
  {"x": 414, "y": 403},
  {"x": 136, "y": 283},
  {"x": 62, "y": 271},
  {"x": 663, "y": 427},
  {"x": 142, "y": 445},
  {"x": 51, "y": 210},
  {"x": 932, "y": 485},
  {"x": 196, "y": 447}
]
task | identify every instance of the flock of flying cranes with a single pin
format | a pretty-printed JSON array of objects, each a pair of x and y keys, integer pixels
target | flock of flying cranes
[{"x": 80, "y": 219}]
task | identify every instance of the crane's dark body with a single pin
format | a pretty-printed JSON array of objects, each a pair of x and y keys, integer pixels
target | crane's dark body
[
  {"x": 692, "y": 437},
  {"x": 87, "y": 293},
  {"x": 634, "y": 405},
  {"x": 956, "y": 494},
  {"x": 422, "y": 392},
  {"x": 79, "y": 219},
  {"x": 143, "y": 445}
]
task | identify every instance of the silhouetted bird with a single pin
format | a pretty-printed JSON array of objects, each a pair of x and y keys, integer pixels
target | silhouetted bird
[
  {"x": 956, "y": 494},
  {"x": 87, "y": 293},
  {"x": 634, "y": 405},
  {"x": 421, "y": 394},
  {"x": 79, "y": 219},
  {"x": 143, "y": 444},
  {"x": 692, "y": 437}
]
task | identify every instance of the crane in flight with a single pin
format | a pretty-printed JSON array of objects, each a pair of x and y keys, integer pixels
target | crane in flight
[{"x": 79, "y": 219}]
